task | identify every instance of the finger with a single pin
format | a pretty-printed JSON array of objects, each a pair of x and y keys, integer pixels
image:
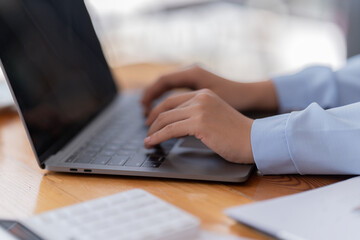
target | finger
[
  {"x": 165, "y": 83},
  {"x": 169, "y": 103},
  {"x": 169, "y": 117},
  {"x": 174, "y": 130}
]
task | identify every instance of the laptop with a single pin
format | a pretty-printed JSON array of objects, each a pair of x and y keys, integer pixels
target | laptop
[{"x": 76, "y": 118}]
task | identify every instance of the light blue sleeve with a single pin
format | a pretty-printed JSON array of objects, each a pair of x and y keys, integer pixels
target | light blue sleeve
[
  {"x": 314, "y": 140},
  {"x": 311, "y": 141},
  {"x": 321, "y": 85}
]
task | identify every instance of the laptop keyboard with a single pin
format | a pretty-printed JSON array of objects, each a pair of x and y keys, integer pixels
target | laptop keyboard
[{"x": 117, "y": 143}]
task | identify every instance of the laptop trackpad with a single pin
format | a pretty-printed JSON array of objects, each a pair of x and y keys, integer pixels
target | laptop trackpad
[
  {"x": 190, "y": 156},
  {"x": 192, "y": 142}
]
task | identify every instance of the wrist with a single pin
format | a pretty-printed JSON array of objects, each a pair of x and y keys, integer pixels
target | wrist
[
  {"x": 261, "y": 96},
  {"x": 249, "y": 152},
  {"x": 242, "y": 148}
]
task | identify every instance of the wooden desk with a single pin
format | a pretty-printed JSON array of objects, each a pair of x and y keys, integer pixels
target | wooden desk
[{"x": 25, "y": 189}]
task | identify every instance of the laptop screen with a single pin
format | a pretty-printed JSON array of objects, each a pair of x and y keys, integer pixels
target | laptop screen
[{"x": 56, "y": 68}]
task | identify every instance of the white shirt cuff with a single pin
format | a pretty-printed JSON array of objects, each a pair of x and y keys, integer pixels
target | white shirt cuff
[{"x": 270, "y": 146}]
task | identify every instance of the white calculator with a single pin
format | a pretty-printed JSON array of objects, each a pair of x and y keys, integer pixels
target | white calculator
[{"x": 133, "y": 215}]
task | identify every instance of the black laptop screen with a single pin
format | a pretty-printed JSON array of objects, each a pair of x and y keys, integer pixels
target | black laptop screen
[{"x": 55, "y": 67}]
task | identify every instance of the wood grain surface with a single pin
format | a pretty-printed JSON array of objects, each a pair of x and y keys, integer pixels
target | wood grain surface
[{"x": 25, "y": 189}]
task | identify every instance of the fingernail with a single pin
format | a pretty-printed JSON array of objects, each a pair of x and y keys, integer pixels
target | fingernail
[{"x": 147, "y": 140}]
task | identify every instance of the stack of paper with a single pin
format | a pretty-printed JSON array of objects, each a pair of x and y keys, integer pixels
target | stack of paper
[{"x": 331, "y": 212}]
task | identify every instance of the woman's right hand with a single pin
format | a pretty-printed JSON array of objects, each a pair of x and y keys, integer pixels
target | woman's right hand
[{"x": 241, "y": 96}]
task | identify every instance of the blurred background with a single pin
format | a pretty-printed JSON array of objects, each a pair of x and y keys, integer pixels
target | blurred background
[{"x": 243, "y": 40}]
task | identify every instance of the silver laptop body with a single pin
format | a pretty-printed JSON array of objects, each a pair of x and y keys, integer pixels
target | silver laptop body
[{"x": 75, "y": 118}]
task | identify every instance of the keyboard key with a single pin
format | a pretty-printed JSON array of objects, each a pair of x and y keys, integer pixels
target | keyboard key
[
  {"x": 151, "y": 164},
  {"x": 125, "y": 152},
  {"x": 83, "y": 159},
  {"x": 90, "y": 153},
  {"x": 136, "y": 141},
  {"x": 156, "y": 158},
  {"x": 111, "y": 147},
  {"x": 106, "y": 153},
  {"x": 92, "y": 148},
  {"x": 135, "y": 162},
  {"x": 70, "y": 159},
  {"x": 118, "y": 142},
  {"x": 102, "y": 160},
  {"x": 130, "y": 146},
  {"x": 98, "y": 142},
  {"x": 118, "y": 160}
]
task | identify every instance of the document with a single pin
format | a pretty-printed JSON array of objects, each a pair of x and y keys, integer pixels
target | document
[{"x": 330, "y": 212}]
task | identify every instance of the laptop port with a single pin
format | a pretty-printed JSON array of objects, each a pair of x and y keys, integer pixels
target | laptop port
[
  {"x": 73, "y": 169},
  {"x": 87, "y": 170}
]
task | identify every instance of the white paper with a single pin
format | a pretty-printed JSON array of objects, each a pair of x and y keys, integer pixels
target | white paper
[{"x": 330, "y": 212}]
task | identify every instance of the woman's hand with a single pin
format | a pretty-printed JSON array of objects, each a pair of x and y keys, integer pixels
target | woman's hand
[
  {"x": 207, "y": 117},
  {"x": 241, "y": 96}
]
